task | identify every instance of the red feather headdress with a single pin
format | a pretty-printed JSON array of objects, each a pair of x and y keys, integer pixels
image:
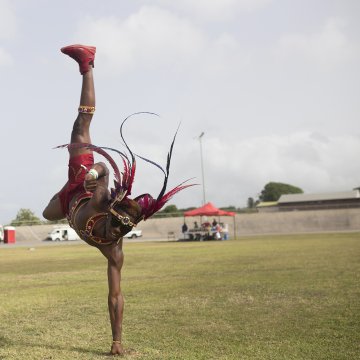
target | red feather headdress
[{"x": 123, "y": 181}]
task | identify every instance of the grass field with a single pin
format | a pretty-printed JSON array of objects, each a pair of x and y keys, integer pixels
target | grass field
[{"x": 273, "y": 297}]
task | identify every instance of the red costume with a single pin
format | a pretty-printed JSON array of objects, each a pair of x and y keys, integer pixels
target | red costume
[{"x": 76, "y": 177}]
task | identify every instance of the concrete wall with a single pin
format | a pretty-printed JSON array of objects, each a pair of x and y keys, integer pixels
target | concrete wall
[
  {"x": 298, "y": 222},
  {"x": 246, "y": 224}
]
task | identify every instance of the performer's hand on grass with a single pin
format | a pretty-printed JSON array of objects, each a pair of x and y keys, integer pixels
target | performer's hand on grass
[
  {"x": 116, "y": 349},
  {"x": 90, "y": 183}
]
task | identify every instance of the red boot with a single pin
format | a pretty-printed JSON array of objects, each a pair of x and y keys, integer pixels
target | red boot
[{"x": 82, "y": 54}]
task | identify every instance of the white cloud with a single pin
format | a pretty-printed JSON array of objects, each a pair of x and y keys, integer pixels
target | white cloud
[
  {"x": 8, "y": 21},
  {"x": 213, "y": 10},
  {"x": 154, "y": 39},
  {"x": 8, "y": 29},
  {"x": 315, "y": 163},
  {"x": 151, "y": 37},
  {"x": 223, "y": 54},
  {"x": 5, "y": 57},
  {"x": 327, "y": 48}
]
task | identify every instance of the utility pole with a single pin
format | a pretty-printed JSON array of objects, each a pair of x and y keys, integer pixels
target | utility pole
[{"x": 202, "y": 167}]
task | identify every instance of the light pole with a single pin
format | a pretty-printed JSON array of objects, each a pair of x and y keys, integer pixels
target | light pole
[{"x": 202, "y": 167}]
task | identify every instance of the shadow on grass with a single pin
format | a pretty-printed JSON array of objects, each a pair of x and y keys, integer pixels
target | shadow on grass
[
  {"x": 72, "y": 348},
  {"x": 127, "y": 352},
  {"x": 4, "y": 341}
]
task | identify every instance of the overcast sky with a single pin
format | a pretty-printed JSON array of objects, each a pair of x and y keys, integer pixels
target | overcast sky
[{"x": 274, "y": 84}]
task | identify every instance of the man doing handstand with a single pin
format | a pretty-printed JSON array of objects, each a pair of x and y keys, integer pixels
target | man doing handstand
[{"x": 99, "y": 216}]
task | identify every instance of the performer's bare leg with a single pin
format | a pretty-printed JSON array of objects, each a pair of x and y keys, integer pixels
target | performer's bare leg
[
  {"x": 80, "y": 134},
  {"x": 81, "y": 129},
  {"x": 53, "y": 210}
]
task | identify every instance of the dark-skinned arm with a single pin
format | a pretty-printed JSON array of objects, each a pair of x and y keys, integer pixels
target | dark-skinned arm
[
  {"x": 91, "y": 183},
  {"x": 99, "y": 186},
  {"x": 115, "y": 257}
]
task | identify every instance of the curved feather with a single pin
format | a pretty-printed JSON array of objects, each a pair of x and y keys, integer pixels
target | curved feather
[
  {"x": 123, "y": 181},
  {"x": 151, "y": 162},
  {"x": 122, "y": 125}
]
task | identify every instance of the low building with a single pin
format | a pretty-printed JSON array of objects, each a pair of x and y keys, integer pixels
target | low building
[
  {"x": 336, "y": 200},
  {"x": 267, "y": 206}
]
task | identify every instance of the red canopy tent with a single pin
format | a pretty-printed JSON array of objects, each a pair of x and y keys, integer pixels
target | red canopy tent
[{"x": 210, "y": 210}]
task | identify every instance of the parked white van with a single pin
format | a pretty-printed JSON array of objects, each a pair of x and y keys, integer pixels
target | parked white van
[
  {"x": 133, "y": 234},
  {"x": 1, "y": 233},
  {"x": 63, "y": 234}
]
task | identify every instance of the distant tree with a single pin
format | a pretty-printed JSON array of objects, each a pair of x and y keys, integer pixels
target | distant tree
[
  {"x": 229, "y": 208},
  {"x": 273, "y": 190},
  {"x": 250, "y": 203},
  {"x": 25, "y": 216},
  {"x": 170, "y": 209},
  {"x": 187, "y": 209}
]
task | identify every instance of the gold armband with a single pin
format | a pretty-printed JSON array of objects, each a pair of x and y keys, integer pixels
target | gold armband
[{"x": 84, "y": 109}]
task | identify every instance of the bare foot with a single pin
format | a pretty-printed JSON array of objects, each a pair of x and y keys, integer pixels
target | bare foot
[{"x": 116, "y": 349}]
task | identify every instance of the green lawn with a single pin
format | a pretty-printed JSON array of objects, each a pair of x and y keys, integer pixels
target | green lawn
[{"x": 270, "y": 297}]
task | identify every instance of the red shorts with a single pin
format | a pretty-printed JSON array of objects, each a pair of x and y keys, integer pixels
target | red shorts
[{"x": 76, "y": 177}]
